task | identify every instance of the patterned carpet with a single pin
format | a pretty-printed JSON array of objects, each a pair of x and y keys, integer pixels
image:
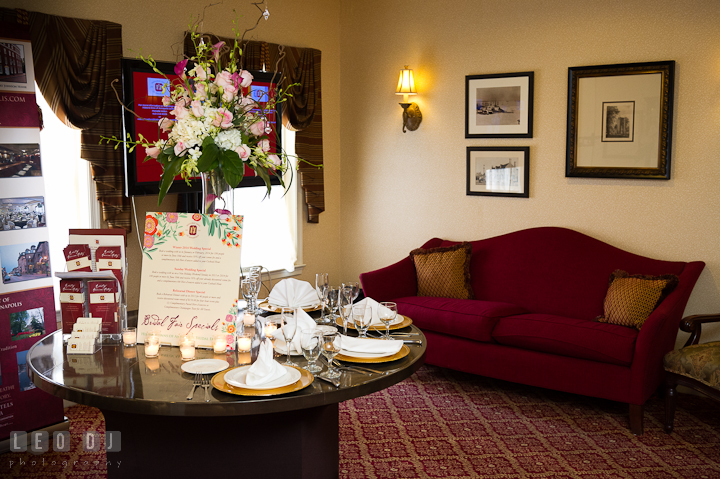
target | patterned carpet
[{"x": 444, "y": 424}]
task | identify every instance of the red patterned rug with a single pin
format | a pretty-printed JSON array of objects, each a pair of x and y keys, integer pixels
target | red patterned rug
[{"x": 444, "y": 424}]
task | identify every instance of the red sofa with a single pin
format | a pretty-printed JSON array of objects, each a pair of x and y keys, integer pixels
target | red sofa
[{"x": 537, "y": 294}]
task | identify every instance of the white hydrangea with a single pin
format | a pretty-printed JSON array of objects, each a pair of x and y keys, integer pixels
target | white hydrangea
[{"x": 229, "y": 139}]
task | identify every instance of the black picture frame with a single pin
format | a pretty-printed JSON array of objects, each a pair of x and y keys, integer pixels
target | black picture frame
[
  {"x": 499, "y": 105},
  {"x": 619, "y": 120},
  {"x": 512, "y": 164}
]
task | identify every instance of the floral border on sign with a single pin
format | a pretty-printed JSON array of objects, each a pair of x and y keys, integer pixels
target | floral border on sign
[{"x": 160, "y": 227}]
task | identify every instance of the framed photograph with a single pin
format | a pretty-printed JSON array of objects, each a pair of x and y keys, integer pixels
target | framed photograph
[
  {"x": 499, "y": 105},
  {"x": 619, "y": 121},
  {"x": 498, "y": 171}
]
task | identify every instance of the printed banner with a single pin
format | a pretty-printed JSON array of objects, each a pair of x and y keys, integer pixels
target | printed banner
[{"x": 190, "y": 276}]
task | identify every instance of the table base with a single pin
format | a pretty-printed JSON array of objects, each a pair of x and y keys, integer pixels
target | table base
[{"x": 302, "y": 444}]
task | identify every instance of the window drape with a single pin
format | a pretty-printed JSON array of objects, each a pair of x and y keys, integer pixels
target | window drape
[
  {"x": 75, "y": 63},
  {"x": 302, "y": 112}
]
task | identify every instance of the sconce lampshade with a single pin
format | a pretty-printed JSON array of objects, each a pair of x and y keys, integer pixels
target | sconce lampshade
[{"x": 406, "y": 82}]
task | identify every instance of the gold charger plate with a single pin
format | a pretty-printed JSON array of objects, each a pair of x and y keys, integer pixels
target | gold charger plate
[
  {"x": 381, "y": 327},
  {"x": 265, "y": 306},
  {"x": 384, "y": 359},
  {"x": 218, "y": 382}
]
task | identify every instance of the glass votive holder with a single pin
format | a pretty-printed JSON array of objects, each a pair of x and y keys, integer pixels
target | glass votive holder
[
  {"x": 129, "y": 336},
  {"x": 220, "y": 343},
  {"x": 152, "y": 346},
  {"x": 248, "y": 319},
  {"x": 244, "y": 342},
  {"x": 187, "y": 348}
]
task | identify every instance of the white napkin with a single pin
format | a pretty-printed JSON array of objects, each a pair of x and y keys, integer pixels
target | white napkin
[
  {"x": 265, "y": 369},
  {"x": 374, "y": 306},
  {"x": 293, "y": 293},
  {"x": 362, "y": 345},
  {"x": 304, "y": 321}
]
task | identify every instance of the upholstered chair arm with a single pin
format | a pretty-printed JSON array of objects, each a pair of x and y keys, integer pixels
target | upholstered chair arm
[{"x": 693, "y": 325}]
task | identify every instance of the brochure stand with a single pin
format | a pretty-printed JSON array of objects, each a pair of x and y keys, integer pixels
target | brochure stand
[{"x": 86, "y": 276}]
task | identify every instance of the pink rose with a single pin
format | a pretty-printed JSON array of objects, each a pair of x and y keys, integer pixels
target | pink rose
[
  {"x": 152, "y": 152},
  {"x": 180, "y": 148},
  {"x": 247, "y": 103},
  {"x": 180, "y": 111},
  {"x": 258, "y": 128},
  {"x": 199, "y": 72},
  {"x": 264, "y": 145},
  {"x": 224, "y": 79},
  {"x": 229, "y": 93},
  {"x": 200, "y": 91},
  {"x": 275, "y": 160},
  {"x": 223, "y": 118},
  {"x": 165, "y": 124},
  {"x": 243, "y": 151},
  {"x": 197, "y": 109},
  {"x": 166, "y": 100},
  {"x": 247, "y": 79}
]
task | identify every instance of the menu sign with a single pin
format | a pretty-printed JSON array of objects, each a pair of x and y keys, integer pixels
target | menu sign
[{"x": 190, "y": 276}]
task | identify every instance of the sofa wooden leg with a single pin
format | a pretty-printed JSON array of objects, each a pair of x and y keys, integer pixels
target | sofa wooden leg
[
  {"x": 670, "y": 398},
  {"x": 636, "y": 419}
]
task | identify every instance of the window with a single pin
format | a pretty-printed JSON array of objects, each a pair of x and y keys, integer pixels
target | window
[{"x": 70, "y": 200}]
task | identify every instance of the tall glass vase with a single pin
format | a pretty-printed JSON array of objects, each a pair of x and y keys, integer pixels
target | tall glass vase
[{"x": 217, "y": 194}]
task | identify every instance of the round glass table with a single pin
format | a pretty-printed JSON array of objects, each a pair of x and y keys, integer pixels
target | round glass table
[{"x": 292, "y": 435}]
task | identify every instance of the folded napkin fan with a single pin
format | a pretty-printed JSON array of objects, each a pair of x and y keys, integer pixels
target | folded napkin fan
[
  {"x": 304, "y": 321},
  {"x": 265, "y": 369},
  {"x": 293, "y": 293},
  {"x": 362, "y": 345},
  {"x": 371, "y": 304}
]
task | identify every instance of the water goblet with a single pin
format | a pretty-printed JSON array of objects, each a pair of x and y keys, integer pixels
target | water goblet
[
  {"x": 311, "y": 341},
  {"x": 247, "y": 289},
  {"x": 333, "y": 299},
  {"x": 289, "y": 328},
  {"x": 331, "y": 342},
  {"x": 387, "y": 311},
  {"x": 362, "y": 319},
  {"x": 321, "y": 288},
  {"x": 345, "y": 306}
]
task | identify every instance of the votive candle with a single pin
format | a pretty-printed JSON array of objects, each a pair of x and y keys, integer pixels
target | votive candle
[
  {"x": 219, "y": 343},
  {"x": 129, "y": 336},
  {"x": 187, "y": 348},
  {"x": 244, "y": 343},
  {"x": 249, "y": 319}
]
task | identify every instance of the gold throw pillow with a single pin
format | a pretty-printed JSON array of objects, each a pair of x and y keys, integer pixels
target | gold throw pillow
[
  {"x": 444, "y": 272},
  {"x": 632, "y": 298}
]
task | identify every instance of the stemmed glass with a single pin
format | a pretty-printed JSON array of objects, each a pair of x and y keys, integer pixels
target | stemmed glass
[
  {"x": 311, "y": 341},
  {"x": 345, "y": 306},
  {"x": 257, "y": 283},
  {"x": 321, "y": 287},
  {"x": 355, "y": 289},
  {"x": 331, "y": 342},
  {"x": 247, "y": 288},
  {"x": 333, "y": 299},
  {"x": 289, "y": 327},
  {"x": 361, "y": 319},
  {"x": 387, "y": 311}
]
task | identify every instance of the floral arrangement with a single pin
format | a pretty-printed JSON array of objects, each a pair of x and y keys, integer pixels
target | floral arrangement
[{"x": 216, "y": 126}]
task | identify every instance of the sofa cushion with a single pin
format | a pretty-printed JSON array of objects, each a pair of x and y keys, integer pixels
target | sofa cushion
[
  {"x": 631, "y": 299},
  {"x": 466, "y": 318},
  {"x": 576, "y": 338},
  {"x": 443, "y": 272}
]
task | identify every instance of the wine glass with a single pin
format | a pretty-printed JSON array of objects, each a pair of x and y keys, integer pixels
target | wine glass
[
  {"x": 257, "y": 283},
  {"x": 311, "y": 341},
  {"x": 321, "y": 287},
  {"x": 387, "y": 311},
  {"x": 355, "y": 289},
  {"x": 331, "y": 342},
  {"x": 289, "y": 328},
  {"x": 247, "y": 288},
  {"x": 361, "y": 319},
  {"x": 333, "y": 299},
  {"x": 345, "y": 306}
]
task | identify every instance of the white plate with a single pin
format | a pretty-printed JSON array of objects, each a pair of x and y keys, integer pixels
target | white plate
[
  {"x": 355, "y": 354},
  {"x": 281, "y": 349},
  {"x": 236, "y": 377},
  {"x": 205, "y": 366}
]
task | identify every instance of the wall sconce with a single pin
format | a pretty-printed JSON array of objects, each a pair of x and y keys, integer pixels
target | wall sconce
[{"x": 411, "y": 112}]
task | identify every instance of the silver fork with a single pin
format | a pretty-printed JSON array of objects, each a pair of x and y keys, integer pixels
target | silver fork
[
  {"x": 206, "y": 385},
  {"x": 197, "y": 381}
]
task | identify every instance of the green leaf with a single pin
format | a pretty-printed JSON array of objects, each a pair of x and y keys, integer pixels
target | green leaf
[
  {"x": 170, "y": 171},
  {"x": 209, "y": 156},
  {"x": 232, "y": 167}
]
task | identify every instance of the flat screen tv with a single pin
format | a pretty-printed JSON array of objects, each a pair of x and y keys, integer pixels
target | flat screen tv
[{"x": 142, "y": 93}]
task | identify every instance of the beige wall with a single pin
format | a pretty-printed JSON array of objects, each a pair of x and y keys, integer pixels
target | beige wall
[
  {"x": 399, "y": 190},
  {"x": 156, "y": 28}
]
